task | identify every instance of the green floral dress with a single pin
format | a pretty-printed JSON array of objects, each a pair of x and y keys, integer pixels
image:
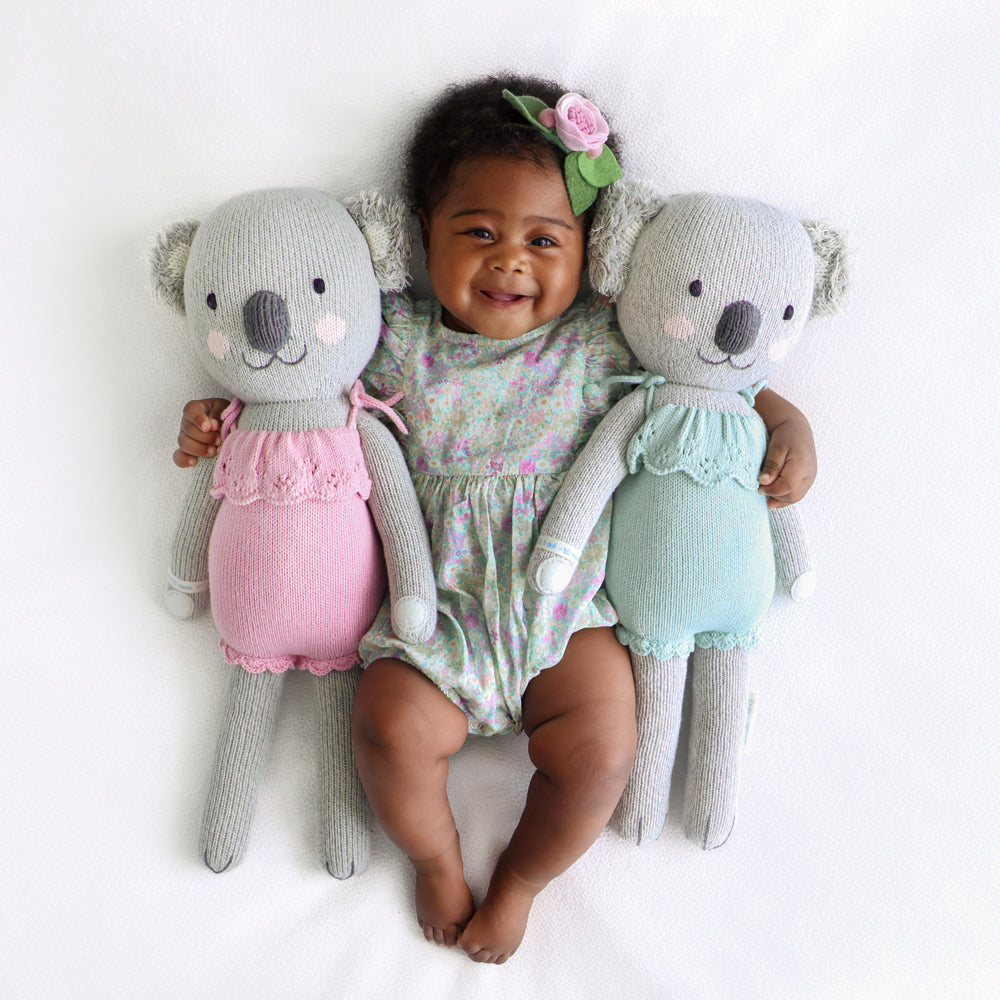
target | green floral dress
[{"x": 493, "y": 426}]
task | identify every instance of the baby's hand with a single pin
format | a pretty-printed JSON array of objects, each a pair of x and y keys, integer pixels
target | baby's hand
[
  {"x": 789, "y": 467},
  {"x": 200, "y": 426}
]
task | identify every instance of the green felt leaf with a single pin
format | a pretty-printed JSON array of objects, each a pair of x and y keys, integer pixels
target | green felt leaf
[
  {"x": 582, "y": 194},
  {"x": 602, "y": 170},
  {"x": 531, "y": 107}
]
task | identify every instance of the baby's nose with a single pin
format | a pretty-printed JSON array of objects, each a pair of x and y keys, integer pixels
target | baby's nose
[
  {"x": 266, "y": 321},
  {"x": 509, "y": 257}
]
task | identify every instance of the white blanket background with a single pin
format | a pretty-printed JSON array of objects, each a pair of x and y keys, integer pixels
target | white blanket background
[{"x": 865, "y": 862}]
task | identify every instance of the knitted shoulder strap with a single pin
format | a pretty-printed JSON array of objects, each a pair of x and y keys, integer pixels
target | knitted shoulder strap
[
  {"x": 360, "y": 400},
  {"x": 229, "y": 417},
  {"x": 642, "y": 380}
]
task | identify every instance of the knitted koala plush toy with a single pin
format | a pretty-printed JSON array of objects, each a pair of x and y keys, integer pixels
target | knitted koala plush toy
[
  {"x": 308, "y": 507},
  {"x": 711, "y": 292}
]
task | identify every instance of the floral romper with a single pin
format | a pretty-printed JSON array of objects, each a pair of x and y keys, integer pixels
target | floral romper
[{"x": 494, "y": 425}]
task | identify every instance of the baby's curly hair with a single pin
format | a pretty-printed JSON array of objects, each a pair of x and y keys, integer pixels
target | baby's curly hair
[{"x": 473, "y": 119}]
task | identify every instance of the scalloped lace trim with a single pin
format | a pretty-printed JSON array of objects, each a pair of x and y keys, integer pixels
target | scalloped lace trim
[
  {"x": 683, "y": 648},
  {"x": 711, "y": 446},
  {"x": 281, "y": 664},
  {"x": 292, "y": 466}
]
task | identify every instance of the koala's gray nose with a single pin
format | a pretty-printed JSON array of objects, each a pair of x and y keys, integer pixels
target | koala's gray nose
[
  {"x": 266, "y": 321},
  {"x": 738, "y": 327}
]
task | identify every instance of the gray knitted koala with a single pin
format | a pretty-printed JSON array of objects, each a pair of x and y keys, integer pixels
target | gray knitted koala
[
  {"x": 712, "y": 292},
  {"x": 309, "y": 502}
]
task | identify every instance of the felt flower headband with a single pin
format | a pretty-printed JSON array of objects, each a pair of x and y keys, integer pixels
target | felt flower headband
[{"x": 580, "y": 131}]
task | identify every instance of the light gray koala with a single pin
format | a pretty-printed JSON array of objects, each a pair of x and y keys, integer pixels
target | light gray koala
[
  {"x": 307, "y": 510},
  {"x": 712, "y": 292}
]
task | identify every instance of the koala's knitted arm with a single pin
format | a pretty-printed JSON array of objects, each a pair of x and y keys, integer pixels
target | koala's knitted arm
[
  {"x": 187, "y": 595},
  {"x": 793, "y": 564},
  {"x": 584, "y": 493},
  {"x": 400, "y": 523}
]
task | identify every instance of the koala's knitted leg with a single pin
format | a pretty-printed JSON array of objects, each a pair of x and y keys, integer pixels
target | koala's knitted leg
[
  {"x": 719, "y": 686},
  {"x": 345, "y": 823},
  {"x": 239, "y": 761},
  {"x": 659, "y": 695}
]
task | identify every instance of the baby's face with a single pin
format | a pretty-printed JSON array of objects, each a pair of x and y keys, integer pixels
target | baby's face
[{"x": 504, "y": 249}]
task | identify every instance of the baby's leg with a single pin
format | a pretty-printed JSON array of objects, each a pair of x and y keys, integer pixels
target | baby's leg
[
  {"x": 580, "y": 719},
  {"x": 405, "y": 730}
]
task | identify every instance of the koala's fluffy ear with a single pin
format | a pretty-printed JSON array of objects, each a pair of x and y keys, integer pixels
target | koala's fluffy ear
[
  {"x": 832, "y": 260},
  {"x": 168, "y": 260},
  {"x": 622, "y": 210},
  {"x": 385, "y": 224}
]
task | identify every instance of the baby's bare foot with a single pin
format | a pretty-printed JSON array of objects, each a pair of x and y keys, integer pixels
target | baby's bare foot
[
  {"x": 496, "y": 929},
  {"x": 444, "y": 901}
]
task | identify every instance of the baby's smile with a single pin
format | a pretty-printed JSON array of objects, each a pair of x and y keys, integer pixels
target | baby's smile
[{"x": 501, "y": 299}]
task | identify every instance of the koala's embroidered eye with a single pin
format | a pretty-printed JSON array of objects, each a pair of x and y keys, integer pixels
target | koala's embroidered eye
[
  {"x": 212, "y": 301},
  {"x": 789, "y": 312},
  {"x": 695, "y": 288},
  {"x": 319, "y": 286}
]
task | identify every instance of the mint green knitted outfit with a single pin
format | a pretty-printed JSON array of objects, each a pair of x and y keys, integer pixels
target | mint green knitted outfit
[
  {"x": 691, "y": 561},
  {"x": 494, "y": 425}
]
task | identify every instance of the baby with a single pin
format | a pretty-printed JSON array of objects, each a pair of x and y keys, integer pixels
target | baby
[{"x": 504, "y": 376}]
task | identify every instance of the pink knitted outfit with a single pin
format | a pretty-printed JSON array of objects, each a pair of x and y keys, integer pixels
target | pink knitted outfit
[{"x": 295, "y": 562}]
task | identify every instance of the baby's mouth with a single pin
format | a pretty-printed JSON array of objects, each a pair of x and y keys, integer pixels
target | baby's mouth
[{"x": 502, "y": 298}]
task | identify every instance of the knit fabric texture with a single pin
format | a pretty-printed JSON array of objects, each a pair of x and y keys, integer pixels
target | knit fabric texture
[
  {"x": 295, "y": 560},
  {"x": 690, "y": 560}
]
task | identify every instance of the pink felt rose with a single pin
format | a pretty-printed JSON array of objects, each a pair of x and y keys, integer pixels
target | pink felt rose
[{"x": 578, "y": 123}]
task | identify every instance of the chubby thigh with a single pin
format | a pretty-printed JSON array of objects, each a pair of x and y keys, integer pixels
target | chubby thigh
[
  {"x": 302, "y": 579},
  {"x": 686, "y": 558}
]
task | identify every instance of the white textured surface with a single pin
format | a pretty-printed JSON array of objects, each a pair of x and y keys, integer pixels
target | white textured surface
[{"x": 865, "y": 862}]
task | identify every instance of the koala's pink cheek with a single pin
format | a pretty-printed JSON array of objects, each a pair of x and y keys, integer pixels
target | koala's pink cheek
[
  {"x": 331, "y": 329},
  {"x": 218, "y": 344},
  {"x": 677, "y": 327},
  {"x": 778, "y": 350}
]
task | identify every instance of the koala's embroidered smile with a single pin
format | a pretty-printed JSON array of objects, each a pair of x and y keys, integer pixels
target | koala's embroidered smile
[
  {"x": 267, "y": 325},
  {"x": 276, "y": 357}
]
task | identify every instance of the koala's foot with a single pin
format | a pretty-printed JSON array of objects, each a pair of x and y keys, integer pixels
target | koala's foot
[
  {"x": 347, "y": 851},
  {"x": 248, "y": 724},
  {"x": 346, "y": 827},
  {"x": 642, "y": 810},
  {"x": 345, "y": 812},
  {"x": 711, "y": 831},
  {"x": 223, "y": 844},
  {"x": 718, "y": 734},
  {"x": 659, "y": 695}
]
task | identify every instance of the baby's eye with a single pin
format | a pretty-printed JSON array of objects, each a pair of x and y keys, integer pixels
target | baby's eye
[
  {"x": 480, "y": 234},
  {"x": 789, "y": 312},
  {"x": 319, "y": 286},
  {"x": 211, "y": 301},
  {"x": 695, "y": 288},
  {"x": 543, "y": 241}
]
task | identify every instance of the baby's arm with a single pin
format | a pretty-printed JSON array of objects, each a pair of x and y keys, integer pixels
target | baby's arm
[
  {"x": 584, "y": 493},
  {"x": 397, "y": 515},
  {"x": 201, "y": 422},
  {"x": 790, "y": 463}
]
